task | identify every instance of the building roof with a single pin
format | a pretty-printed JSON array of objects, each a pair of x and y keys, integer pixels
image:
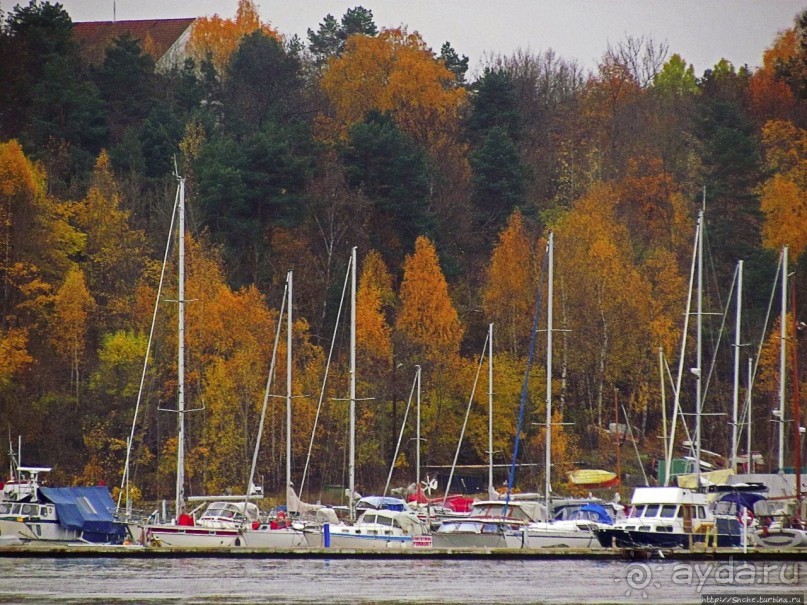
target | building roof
[{"x": 156, "y": 36}]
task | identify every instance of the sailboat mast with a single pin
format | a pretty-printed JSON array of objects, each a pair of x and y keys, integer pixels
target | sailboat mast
[
  {"x": 288, "y": 382},
  {"x": 549, "y": 311},
  {"x": 796, "y": 399},
  {"x": 699, "y": 353},
  {"x": 782, "y": 362},
  {"x": 490, "y": 410},
  {"x": 750, "y": 379},
  {"x": 352, "y": 462},
  {"x": 735, "y": 427},
  {"x": 417, "y": 436},
  {"x": 180, "y": 497}
]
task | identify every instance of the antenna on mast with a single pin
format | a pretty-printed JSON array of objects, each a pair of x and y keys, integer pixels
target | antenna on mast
[{"x": 114, "y": 19}]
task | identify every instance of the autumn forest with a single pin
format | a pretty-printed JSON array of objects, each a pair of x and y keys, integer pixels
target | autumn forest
[{"x": 447, "y": 182}]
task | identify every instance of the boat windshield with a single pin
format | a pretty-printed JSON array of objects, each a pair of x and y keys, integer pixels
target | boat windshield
[
  {"x": 637, "y": 511},
  {"x": 5, "y": 508},
  {"x": 497, "y": 510},
  {"x": 668, "y": 511}
]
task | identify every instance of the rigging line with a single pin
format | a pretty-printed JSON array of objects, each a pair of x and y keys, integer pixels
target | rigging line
[
  {"x": 125, "y": 478},
  {"x": 325, "y": 377},
  {"x": 764, "y": 330},
  {"x": 400, "y": 436},
  {"x": 719, "y": 338},
  {"x": 677, "y": 388},
  {"x": 266, "y": 394},
  {"x": 680, "y": 411},
  {"x": 467, "y": 414},
  {"x": 635, "y": 447},
  {"x": 525, "y": 385}
]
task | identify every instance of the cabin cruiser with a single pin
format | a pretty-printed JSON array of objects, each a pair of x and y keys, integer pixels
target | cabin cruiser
[
  {"x": 32, "y": 512},
  {"x": 669, "y": 517}
]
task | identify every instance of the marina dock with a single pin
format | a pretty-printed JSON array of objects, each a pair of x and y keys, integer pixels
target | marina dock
[{"x": 163, "y": 552}]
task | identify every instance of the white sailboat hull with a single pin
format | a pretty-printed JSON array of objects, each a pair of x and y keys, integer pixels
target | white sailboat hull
[
  {"x": 191, "y": 536},
  {"x": 782, "y": 537},
  {"x": 287, "y": 537},
  {"x": 555, "y": 535}
]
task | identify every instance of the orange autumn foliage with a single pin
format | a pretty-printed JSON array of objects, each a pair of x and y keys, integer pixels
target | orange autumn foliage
[
  {"x": 393, "y": 72},
  {"x": 373, "y": 333},
  {"x": 784, "y": 195},
  {"x": 427, "y": 319},
  {"x": 508, "y": 297},
  {"x": 770, "y": 95},
  {"x": 217, "y": 39}
]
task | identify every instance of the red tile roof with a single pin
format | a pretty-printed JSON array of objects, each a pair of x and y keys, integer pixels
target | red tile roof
[{"x": 156, "y": 35}]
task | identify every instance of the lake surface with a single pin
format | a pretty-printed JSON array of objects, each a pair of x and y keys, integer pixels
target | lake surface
[{"x": 389, "y": 581}]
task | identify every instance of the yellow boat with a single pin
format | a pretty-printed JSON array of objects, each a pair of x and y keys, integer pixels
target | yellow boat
[{"x": 593, "y": 478}]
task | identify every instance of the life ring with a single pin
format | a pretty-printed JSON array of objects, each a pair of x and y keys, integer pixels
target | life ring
[{"x": 746, "y": 519}]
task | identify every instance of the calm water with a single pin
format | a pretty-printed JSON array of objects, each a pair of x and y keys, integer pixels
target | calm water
[{"x": 388, "y": 581}]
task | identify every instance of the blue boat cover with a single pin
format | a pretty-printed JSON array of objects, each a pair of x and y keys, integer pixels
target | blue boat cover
[
  {"x": 86, "y": 509},
  {"x": 381, "y": 503},
  {"x": 598, "y": 512},
  {"x": 743, "y": 499}
]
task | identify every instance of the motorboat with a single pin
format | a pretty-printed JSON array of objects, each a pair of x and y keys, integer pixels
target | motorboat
[
  {"x": 669, "y": 517},
  {"x": 32, "y": 512}
]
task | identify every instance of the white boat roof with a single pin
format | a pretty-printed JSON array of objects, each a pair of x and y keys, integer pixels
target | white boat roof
[{"x": 666, "y": 495}]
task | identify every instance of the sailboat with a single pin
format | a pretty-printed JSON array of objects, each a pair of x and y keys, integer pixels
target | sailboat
[
  {"x": 489, "y": 521},
  {"x": 674, "y": 516},
  {"x": 386, "y": 522},
  {"x": 280, "y": 533},
  {"x": 577, "y": 530},
  {"x": 223, "y": 521},
  {"x": 782, "y": 522}
]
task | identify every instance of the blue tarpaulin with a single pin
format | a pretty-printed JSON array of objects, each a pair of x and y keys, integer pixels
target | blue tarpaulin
[
  {"x": 89, "y": 510},
  {"x": 381, "y": 503}
]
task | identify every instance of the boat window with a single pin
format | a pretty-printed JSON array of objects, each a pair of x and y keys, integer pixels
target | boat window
[
  {"x": 725, "y": 508},
  {"x": 668, "y": 510},
  {"x": 637, "y": 511},
  {"x": 651, "y": 510},
  {"x": 368, "y": 518},
  {"x": 15, "y": 510},
  {"x": 5, "y": 508},
  {"x": 701, "y": 512},
  {"x": 30, "y": 509}
]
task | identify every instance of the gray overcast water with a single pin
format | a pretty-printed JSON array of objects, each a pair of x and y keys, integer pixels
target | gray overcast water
[{"x": 391, "y": 581}]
